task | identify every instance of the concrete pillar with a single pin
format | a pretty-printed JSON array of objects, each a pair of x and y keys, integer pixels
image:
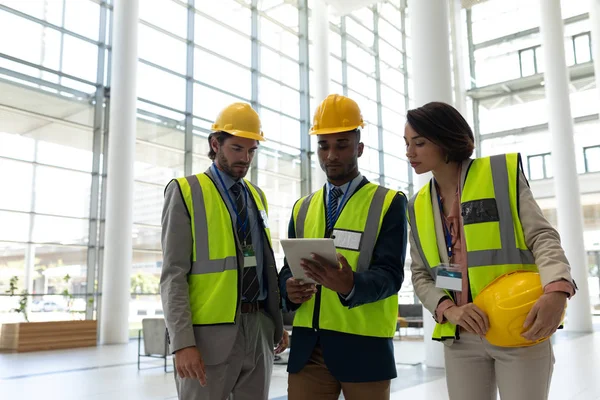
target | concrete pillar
[
  {"x": 432, "y": 80},
  {"x": 570, "y": 219},
  {"x": 320, "y": 62},
  {"x": 460, "y": 93},
  {"x": 114, "y": 312}
]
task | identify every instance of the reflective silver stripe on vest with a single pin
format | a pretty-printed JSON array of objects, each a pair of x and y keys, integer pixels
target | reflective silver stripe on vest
[
  {"x": 203, "y": 265},
  {"x": 367, "y": 245},
  {"x": 369, "y": 235},
  {"x": 301, "y": 218},
  {"x": 415, "y": 232}
]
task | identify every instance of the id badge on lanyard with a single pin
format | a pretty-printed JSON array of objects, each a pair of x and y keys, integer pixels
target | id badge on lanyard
[
  {"x": 249, "y": 256},
  {"x": 449, "y": 275}
]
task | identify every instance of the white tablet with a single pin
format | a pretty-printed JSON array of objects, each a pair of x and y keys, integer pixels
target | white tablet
[{"x": 297, "y": 249}]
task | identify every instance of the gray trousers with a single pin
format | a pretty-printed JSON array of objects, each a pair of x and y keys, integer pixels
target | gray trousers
[
  {"x": 476, "y": 370},
  {"x": 246, "y": 374}
]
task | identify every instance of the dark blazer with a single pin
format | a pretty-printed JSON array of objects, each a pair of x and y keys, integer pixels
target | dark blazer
[{"x": 353, "y": 358}]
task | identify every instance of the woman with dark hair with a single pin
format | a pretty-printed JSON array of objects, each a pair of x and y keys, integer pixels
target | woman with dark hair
[{"x": 474, "y": 225}]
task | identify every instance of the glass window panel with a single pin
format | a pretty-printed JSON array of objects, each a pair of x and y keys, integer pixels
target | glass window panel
[
  {"x": 582, "y": 48},
  {"x": 19, "y": 180},
  {"x": 217, "y": 72},
  {"x": 146, "y": 237},
  {"x": 392, "y": 77},
  {"x": 364, "y": 15},
  {"x": 165, "y": 14},
  {"x": 279, "y": 68},
  {"x": 50, "y": 11},
  {"x": 82, "y": 17},
  {"x": 360, "y": 58},
  {"x": 229, "y": 12},
  {"x": 62, "y": 192},
  {"x": 278, "y": 38},
  {"x": 335, "y": 44},
  {"x": 527, "y": 58},
  {"x": 592, "y": 157},
  {"x": 548, "y": 165},
  {"x": 536, "y": 167},
  {"x": 30, "y": 46},
  {"x": 363, "y": 35},
  {"x": 362, "y": 83},
  {"x": 279, "y": 97},
  {"x": 395, "y": 167},
  {"x": 370, "y": 134},
  {"x": 200, "y": 164},
  {"x": 569, "y": 51},
  {"x": 391, "y": 14},
  {"x": 369, "y": 160},
  {"x": 161, "y": 87},
  {"x": 394, "y": 141},
  {"x": 60, "y": 155},
  {"x": 390, "y": 33},
  {"x": 335, "y": 69},
  {"x": 284, "y": 13},
  {"x": 160, "y": 133},
  {"x": 148, "y": 200},
  {"x": 14, "y": 226},
  {"x": 208, "y": 103},
  {"x": 12, "y": 263},
  {"x": 390, "y": 55},
  {"x": 231, "y": 45},
  {"x": 157, "y": 165},
  {"x": 80, "y": 58},
  {"x": 392, "y": 121},
  {"x": 47, "y": 229},
  {"x": 161, "y": 49},
  {"x": 392, "y": 99},
  {"x": 280, "y": 128},
  {"x": 16, "y": 146}
]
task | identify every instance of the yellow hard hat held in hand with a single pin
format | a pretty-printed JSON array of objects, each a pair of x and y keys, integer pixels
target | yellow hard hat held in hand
[
  {"x": 336, "y": 114},
  {"x": 507, "y": 302},
  {"x": 239, "y": 119}
]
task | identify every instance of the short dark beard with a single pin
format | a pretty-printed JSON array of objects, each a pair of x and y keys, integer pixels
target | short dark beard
[{"x": 226, "y": 167}]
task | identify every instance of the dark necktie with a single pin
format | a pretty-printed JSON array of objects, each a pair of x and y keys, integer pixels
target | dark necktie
[
  {"x": 332, "y": 207},
  {"x": 250, "y": 287}
]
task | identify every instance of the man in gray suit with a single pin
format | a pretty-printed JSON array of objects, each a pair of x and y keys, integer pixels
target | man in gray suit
[{"x": 219, "y": 288}]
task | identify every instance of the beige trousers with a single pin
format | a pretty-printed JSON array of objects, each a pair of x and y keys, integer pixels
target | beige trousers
[{"x": 475, "y": 370}]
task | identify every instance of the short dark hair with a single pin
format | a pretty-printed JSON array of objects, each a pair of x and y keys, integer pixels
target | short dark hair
[
  {"x": 221, "y": 138},
  {"x": 443, "y": 125}
]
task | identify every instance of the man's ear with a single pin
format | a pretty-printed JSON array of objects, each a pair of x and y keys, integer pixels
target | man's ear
[
  {"x": 214, "y": 144},
  {"x": 361, "y": 148}
]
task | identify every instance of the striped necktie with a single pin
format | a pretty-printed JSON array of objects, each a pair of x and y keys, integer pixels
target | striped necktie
[{"x": 332, "y": 207}]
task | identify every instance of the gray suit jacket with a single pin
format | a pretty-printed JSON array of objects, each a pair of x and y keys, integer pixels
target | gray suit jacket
[
  {"x": 215, "y": 342},
  {"x": 540, "y": 237}
]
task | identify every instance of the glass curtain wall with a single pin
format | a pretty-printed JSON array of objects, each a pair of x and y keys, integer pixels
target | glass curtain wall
[{"x": 55, "y": 102}]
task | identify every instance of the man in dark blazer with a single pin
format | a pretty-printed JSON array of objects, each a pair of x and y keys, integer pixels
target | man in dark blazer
[{"x": 344, "y": 325}]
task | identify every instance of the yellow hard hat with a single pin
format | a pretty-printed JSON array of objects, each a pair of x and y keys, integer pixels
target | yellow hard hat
[
  {"x": 507, "y": 301},
  {"x": 336, "y": 114},
  {"x": 239, "y": 119}
]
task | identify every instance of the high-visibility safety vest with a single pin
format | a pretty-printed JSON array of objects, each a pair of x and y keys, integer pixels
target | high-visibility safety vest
[
  {"x": 494, "y": 237},
  {"x": 355, "y": 234},
  {"x": 214, "y": 276}
]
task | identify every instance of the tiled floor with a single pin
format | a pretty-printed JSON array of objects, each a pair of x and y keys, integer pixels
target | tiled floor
[{"x": 110, "y": 372}]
